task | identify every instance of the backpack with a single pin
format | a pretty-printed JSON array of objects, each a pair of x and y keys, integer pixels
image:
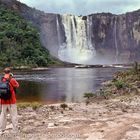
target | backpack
[{"x": 5, "y": 92}]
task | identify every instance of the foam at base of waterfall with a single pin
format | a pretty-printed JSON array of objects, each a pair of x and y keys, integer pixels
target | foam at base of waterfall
[{"x": 76, "y": 55}]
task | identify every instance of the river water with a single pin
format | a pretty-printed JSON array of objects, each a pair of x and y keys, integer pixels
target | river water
[{"x": 60, "y": 84}]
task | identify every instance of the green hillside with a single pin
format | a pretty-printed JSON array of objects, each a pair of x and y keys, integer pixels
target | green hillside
[{"x": 19, "y": 42}]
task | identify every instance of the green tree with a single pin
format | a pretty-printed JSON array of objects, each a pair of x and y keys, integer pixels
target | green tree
[{"x": 19, "y": 42}]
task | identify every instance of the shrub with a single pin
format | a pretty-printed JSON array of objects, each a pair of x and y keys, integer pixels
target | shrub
[
  {"x": 34, "y": 105},
  {"x": 64, "y": 106},
  {"x": 88, "y": 95},
  {"x": 52, "y": 107},
  {"x": 119, "y": 84},
  {"x": 103, "y": 93},
  {"x": 136, "y": 67}
]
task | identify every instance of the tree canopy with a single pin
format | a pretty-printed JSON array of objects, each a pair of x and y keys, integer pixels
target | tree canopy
[{"x": 19, "y": 42}]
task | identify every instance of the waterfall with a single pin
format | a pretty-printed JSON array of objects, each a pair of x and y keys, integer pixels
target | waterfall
[
  {"x": 115, "y": 39},
  {"x": 73, "y": 31},
  {"x": 89, "y": 31},
  {"x": 58, "y": 31},
  {"x": 78, "y": 47}
]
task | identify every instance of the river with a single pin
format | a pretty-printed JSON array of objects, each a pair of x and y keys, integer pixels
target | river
[{"x": 60, "y": 84}]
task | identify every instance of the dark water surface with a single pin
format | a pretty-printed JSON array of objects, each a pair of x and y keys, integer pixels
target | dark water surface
[{"x": 60, "y": 84}]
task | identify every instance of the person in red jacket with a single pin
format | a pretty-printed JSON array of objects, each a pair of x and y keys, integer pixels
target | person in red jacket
[{"x": 10, "y": 104}]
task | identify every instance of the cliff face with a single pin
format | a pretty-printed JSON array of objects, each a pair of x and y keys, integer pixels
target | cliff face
[
  {"x": 98, "y": 38},
  {"x": 118, "y": 35}
]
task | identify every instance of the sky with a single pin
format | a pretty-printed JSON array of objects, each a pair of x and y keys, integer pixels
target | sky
[{"x": 84, "y": 7}]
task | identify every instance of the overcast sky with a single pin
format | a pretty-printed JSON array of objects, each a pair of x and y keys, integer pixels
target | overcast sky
[{"x": 84, "y": 7}]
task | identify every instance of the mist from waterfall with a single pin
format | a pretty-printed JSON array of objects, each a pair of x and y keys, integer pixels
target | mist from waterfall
[{"x": 78, "y": 47}]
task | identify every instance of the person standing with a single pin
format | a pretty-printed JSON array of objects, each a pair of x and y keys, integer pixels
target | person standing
[{"x": 9, "y": 104}]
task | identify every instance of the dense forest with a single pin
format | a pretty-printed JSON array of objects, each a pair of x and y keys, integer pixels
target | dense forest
[{"x": 20, "y": 43}]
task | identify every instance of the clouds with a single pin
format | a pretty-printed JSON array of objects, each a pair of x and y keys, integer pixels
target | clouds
[{"x": 84, "y": 7}]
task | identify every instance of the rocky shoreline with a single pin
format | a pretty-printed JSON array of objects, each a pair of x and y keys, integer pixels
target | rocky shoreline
[{"x": 113, "y": 119}]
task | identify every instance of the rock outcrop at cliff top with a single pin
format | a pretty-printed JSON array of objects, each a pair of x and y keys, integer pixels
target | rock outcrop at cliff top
[{"x": 96, "y": 38}]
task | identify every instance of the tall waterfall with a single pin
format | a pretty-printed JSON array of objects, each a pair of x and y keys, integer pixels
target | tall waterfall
[
  {"x": 58, "y": 31},
  {"x": 78, "y": 47}
]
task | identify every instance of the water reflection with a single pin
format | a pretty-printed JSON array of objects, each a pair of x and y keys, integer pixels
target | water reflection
[
  {"x": 61, "y": 84},
  {"x": 29, "y": 91},
  {"x": 76, "y": 82}
]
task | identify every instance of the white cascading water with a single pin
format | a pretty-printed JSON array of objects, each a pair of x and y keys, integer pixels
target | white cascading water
[
  {"x": 78, "y": 47},
  {"x": 58, "y": 31}
]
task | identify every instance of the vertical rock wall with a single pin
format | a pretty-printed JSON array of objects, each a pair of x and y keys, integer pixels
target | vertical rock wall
[{"x": 97, "y": 38}]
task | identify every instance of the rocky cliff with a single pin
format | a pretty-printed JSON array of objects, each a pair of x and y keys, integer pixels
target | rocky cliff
[{"x": 96, "y": 38}]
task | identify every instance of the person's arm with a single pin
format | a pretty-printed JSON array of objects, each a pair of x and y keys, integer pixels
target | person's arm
[{"x": 14, "y": 83}]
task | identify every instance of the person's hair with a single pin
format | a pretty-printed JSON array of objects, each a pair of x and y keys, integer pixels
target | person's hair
[
  {"x": 7, "y": 70},
  {"x": 11, "y": 74}
]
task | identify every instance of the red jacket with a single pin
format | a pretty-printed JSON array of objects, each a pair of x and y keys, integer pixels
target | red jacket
[{"x": 13, "y": 84}]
